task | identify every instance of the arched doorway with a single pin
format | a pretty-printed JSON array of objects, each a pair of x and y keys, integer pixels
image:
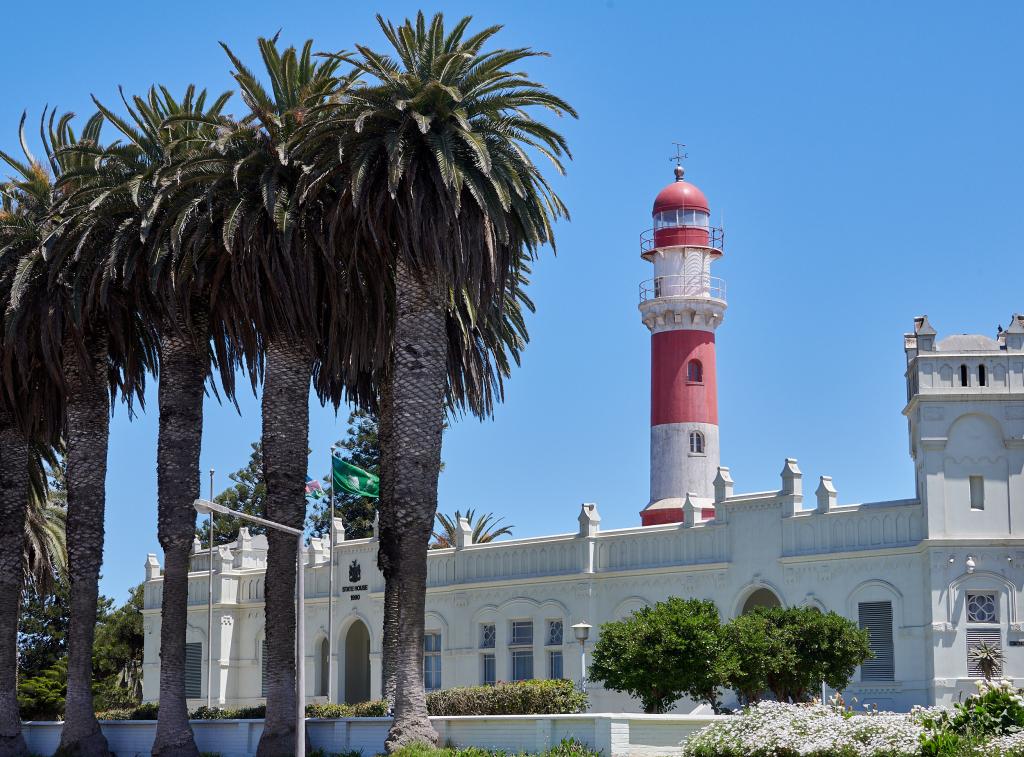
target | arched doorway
[
  {"x": 761, "y": 598},
  {"x": 356, "y": 671}
]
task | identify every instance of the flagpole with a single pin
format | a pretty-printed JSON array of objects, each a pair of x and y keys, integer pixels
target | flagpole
[{"x": 330, "y": 597}]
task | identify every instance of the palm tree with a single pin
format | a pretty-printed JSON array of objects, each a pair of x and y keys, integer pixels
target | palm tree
[
  {"x": 45, "y": 551},
  {"x": 144, "y": 241},
  {"x": 290, "y": 278},
  {"x": 98, "y": 347},
  {"x": 31, "y": 416},
  {"x": 444, "y": 190},
  {"x": 486, "y": 528}
]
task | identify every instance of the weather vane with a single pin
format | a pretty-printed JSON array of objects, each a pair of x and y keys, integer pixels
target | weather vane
[{"x": 680, "y": 155}]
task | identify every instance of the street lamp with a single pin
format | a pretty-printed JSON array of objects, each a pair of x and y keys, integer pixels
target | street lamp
[
  {"x": 206, "y": 507},
  {"x": 582, "y": 633}
]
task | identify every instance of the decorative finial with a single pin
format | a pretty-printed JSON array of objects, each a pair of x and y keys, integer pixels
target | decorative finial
[{"x": 678, "y": 158}]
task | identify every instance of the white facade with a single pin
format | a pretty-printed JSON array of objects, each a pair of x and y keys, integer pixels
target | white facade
[{"x": 927, "y": 574}]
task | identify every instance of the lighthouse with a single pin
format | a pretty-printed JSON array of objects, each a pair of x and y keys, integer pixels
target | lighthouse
[{"x": 682, "y": 306}]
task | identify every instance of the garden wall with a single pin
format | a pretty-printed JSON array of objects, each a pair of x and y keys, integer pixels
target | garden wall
[{"x": 615, "y": 735}]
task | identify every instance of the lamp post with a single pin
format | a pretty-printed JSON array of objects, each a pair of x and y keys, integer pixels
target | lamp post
[
  {"x": 204, "y": 507},
  {"x": 582, "y": 633},
  {"x": 209, "y": 610}
]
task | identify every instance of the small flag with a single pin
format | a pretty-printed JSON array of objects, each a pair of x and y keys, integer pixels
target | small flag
[
  {"x": 354, "y": 480},
  {"x": 314, "y": 490}
]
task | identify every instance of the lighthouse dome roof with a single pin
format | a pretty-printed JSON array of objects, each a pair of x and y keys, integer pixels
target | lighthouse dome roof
[{"x": 680, "y": 194}]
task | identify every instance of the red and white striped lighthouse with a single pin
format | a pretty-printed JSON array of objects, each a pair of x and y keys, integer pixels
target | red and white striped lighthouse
[{"x": 682, "y": 306}]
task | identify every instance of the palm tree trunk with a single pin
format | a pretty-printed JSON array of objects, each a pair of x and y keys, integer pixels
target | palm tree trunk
[
  {"x": 285, "y": 450},
  {"x": 411, "y": 458},
  {"x": 13, "y": 504},
  {"x": 182, "y": 374},
  {"x": 389, "y": 645},
  {"x": 86, "y": 434}
]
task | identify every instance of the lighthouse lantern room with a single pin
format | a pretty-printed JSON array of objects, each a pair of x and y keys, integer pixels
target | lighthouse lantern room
[{"x": 682, "y": 306}]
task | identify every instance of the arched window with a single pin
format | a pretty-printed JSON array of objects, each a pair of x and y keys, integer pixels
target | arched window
[
  {"x": 982, "y": 376},
  {"x": 963, "y": 375},
  {"x": 697, "y": 442},
  {"x": 695, "y": 371},
  {"x": 324, "y": 667}
]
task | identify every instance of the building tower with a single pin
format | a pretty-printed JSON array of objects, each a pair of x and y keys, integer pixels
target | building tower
[{"x": 682, "y": 306}]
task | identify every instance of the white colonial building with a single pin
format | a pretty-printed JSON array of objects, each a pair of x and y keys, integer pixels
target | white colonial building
[{"x": 928, "y": 576}]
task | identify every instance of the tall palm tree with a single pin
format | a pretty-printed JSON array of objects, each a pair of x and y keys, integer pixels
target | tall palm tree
[
  {"x": 31, "y": 417},
  {"x": 98, "y": 347},
  {"x": 486, "y": 528},
  {"x": 144, "y": 239},
  {"x": 290, "y": 279},
  {"x": 446, "y": 192}
]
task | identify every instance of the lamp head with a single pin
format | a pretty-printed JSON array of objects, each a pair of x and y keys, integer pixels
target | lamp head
[
  {"x": 202, "y": 506},
  {"x": 582, "y": 631}
]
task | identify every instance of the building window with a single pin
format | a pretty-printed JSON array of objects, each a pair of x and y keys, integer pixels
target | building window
[
  {"x": 964, "y": 377},
  {"x": 522, "y": 664},
  {"x": 487, "y": 636},
  {"x": 696, "y": 443},
  {"x": 193, "y": 670},
  {"x": 555, "y": 664},
  {"x": 695, "y": 371},
  {"x": 876, "y": 617},
  {"x": 981, "y": 608},
  {"x": 488, "y": 670},
  {"x": 554, "y": 637},
  {"x": 522, "y": 632},
  {"x": 263, "y": 668},
  {"x": 431, "y": 661},
  {"x": 976, "y": 637},
  {"x": 522, "y": 657},
  {"x": 977, "y": 492},
  {"x": 323, "y": 685},
  {"x": 982, "y": 376}
]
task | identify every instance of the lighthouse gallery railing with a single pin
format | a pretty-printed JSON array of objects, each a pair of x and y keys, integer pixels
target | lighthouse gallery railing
[{"x": 682, "y": 285}]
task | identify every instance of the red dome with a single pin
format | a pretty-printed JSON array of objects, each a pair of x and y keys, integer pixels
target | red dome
[{"x": 680, "y": 194}]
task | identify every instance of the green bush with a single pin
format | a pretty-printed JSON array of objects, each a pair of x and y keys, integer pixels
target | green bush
[
  {"x": 996, "y": 710},
  {"x": 147, "y": 711},
  {"x": 374, "y": 709},
  {"x": 559, "y": 697}
]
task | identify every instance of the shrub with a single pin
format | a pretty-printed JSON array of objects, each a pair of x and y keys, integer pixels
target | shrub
[
  {"x": 661, "y": 653},
  {"x": 565, "y": 748},
  {"x": 146, "y": 711},
  {"x": 559, "y": 697},
  {"x": 997, "y": 710},
  {"x": 376, "y": 708},
  {"x": 790, "y": 652}
]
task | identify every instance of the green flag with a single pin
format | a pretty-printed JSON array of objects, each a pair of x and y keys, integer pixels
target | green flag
[{"x": 349, "y": 478}]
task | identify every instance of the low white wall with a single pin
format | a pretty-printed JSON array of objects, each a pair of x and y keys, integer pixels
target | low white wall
[{"x": 615, "y": 735}]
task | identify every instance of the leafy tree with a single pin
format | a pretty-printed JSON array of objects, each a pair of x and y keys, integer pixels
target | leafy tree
[
  {"x": 791, "y": 651},
  {"x": 362, "y": 449},
  {"x": 42, "y": 696},
  {"x": 42, "y": 628},
  {"x": 117, "y": 654},
  {"x": 247, "y": 494},
  {"x": 486, "y": 528},
  {"x": 662, "y": 653}
]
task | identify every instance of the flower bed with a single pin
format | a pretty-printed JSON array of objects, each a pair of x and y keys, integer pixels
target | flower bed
[{"x": 988, "y": 724}]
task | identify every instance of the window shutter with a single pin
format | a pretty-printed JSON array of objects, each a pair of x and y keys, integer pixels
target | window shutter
[
  {"x": 193, "y": 670},
  {"x": 976, "y": 637},
  {"x": 263, "y": 668},
  {"x": 876, "y": 617}
]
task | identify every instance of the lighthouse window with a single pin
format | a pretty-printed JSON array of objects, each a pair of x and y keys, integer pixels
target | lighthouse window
[
  {"x": 696, "y": 442},
  {"x": 694, "y": 371},
  {"x": 674, "y": 219}
]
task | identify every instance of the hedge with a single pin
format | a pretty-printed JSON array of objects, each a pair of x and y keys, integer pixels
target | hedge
[
  {"x": 149, "y": 711},
  {"x": 558, "y": 697}
]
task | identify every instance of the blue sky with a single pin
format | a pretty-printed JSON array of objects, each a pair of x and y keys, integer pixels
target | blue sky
[{"x": 865, "y": 156}]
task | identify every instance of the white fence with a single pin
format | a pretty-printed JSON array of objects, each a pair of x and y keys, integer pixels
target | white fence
[{"x": 614, "y": 735}]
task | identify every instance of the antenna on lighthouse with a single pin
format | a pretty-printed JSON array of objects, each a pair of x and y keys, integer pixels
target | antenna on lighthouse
[{"x": 678, "y": 158}]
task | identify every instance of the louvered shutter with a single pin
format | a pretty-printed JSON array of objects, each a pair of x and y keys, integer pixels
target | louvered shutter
[
  {"x": 976, "y": 637},
  {"x": 263, "y": 668},
  {"x": 193, "y": 670},
  {"x": 876, "y": 617}
]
